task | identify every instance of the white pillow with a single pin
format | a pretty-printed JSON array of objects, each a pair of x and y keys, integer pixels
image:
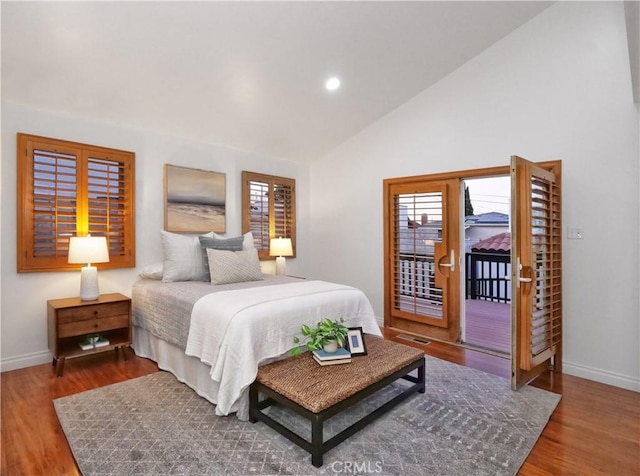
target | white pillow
[
  {"x": 234, "y": 266},
  {"x": 182, "y": 257},
  {"x": 152, "y": 271},
  {"x": 247, "y": 243}
]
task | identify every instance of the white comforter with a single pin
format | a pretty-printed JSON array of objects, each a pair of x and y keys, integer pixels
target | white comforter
[{"x": 234, "y": 331}]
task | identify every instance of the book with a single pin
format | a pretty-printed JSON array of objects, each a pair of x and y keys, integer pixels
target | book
[
  {"x": 341, "y": 353},
  {"x": 333, "y": 361},
  {"x": 87, "y": 344}
]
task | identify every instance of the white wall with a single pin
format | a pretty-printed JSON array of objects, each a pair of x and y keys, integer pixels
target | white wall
[
  {"x": 557, "y": 88},
  {"x": 24, "y": 296}
]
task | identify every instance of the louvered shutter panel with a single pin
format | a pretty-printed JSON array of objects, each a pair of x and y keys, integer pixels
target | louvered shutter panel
[
  {"x": 546, "y": 303},
  {"x": 109, "y": 198},
  {"x": 417, "y": 230},
  {"x": 282, "y": 210},
  {"x": 54, "y": 208},
  {"x": 259, "y": 213},
  {"x": 268, "y": 209}
]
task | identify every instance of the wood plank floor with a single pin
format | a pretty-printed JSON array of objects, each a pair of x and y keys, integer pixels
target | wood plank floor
[
  {"x": 594, "y": 431},
  {"x": 488, "y": 325}
]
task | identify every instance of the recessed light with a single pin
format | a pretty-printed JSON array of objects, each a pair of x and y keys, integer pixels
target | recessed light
[{"x": 332, "y": 84}]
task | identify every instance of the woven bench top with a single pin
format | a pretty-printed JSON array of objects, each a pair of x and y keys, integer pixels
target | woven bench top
[{"x": 302, "y": 380}]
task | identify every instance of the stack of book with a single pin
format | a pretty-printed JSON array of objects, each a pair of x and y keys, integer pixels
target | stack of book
[{"x": 341, "y": 356}]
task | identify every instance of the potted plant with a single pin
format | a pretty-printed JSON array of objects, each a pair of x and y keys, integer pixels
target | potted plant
[{"x": 327, "y": 335}]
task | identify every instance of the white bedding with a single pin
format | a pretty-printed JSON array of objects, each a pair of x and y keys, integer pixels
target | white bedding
[{"x": 234, "y": 331}]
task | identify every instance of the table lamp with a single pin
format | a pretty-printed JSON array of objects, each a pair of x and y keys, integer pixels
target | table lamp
[
  {"x": 280, "y": 247},
  {"x": 88, "y": 249}
]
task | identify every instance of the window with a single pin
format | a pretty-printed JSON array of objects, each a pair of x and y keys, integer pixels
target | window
[
  {"x": 268, "y": 209},
  {"x": 67, "y": 189}
]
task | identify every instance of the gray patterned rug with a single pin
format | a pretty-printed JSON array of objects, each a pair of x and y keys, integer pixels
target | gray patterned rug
[{"x": 467, "y": 423}]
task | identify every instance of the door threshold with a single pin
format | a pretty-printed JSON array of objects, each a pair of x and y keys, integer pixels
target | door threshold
[{"x": 485, "y": 350}]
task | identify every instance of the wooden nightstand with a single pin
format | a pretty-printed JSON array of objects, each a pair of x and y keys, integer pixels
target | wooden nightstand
[{"x": 70, "y": 320}]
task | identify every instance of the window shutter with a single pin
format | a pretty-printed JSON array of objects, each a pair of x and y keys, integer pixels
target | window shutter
[
  {"x": 67, "y": 189},
  {"x": 268, "y": 209},
  {"x": 282, "y": 209},
  {"x": 54, "y": 213},
  {"x": 259, "y": 213},
  {"x": 109, "y": 199}
]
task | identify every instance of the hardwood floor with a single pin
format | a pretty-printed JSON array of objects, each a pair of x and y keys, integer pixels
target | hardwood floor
[{"x": 594, "y": 431}]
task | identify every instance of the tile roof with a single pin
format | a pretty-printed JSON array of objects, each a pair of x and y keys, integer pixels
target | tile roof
[{"x": 496, "y": 243}]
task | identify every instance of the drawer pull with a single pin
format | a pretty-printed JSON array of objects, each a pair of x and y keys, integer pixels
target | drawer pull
[{"x": 95, "y": 326}]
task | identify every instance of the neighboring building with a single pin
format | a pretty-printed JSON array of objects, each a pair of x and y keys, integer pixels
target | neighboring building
[{"x": 483, "y": 226}]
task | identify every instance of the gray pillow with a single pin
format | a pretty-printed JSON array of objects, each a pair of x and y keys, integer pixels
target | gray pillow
[{"x": 229, "y": 244}]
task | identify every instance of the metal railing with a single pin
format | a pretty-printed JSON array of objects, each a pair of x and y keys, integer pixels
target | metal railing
[{"x": 488, "y": 276}]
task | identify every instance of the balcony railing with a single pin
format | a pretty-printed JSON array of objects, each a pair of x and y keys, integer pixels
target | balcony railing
[{"x": 488, "y": 276}]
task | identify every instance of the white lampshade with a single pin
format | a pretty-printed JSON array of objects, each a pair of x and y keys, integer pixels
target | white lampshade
[
  {"x": 280, "y": 247},
  {"x": 88, "y": 249}
]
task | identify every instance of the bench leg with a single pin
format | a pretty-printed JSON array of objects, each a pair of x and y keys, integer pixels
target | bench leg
[
  {"x": 316, "y": 441},
  {"x": 421, "y": 378}
]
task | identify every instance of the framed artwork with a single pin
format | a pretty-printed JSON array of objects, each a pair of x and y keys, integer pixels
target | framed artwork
[
  {"x": 194, "y": 200},
  {"x": 355, "y": 341}
]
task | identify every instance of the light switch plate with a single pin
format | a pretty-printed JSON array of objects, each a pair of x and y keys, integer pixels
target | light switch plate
[{"x": 575, "y": 233}]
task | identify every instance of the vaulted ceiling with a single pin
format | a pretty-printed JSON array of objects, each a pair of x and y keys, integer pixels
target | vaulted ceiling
[{"x": 248, "y": 75}]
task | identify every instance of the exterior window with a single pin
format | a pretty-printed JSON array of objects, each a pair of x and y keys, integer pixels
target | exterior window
[
  {"x": 68, "y": 189},
  {"x": 268, "y": 209}
]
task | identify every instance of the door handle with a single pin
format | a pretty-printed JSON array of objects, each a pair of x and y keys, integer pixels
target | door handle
[
  {"x": 519, "y": 278},
  {"x": 452, "y": 262}
]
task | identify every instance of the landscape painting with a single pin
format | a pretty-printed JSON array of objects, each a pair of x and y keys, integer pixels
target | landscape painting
[{"x": 195, "y": 200}]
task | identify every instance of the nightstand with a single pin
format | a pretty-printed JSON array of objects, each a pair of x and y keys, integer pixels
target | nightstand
[{"x": 71, "y": 320}]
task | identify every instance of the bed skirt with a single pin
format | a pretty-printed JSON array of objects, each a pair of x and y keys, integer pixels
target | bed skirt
[{"x": 188, "y": 370}]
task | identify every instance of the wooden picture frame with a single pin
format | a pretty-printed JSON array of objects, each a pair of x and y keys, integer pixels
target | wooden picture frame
[
  {"x": 194, "y": 200},
  {"x": 355, "y": 341}
]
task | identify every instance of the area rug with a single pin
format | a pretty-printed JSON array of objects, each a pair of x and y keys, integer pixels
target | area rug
[{"x": 467, "y": 423}]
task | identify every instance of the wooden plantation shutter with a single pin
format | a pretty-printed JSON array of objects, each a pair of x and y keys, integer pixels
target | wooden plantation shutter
[
  {"x": 67, "y": 189},
  {"x": 109, "y": 203},
  {"x": 268, "y": 209},
  {"x": 52, "y": 198},
  {"x": 537, "y": 274},
  {"x": 422, "y": 274}
]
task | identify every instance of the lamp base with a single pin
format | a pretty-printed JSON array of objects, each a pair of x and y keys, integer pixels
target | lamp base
[
  {"x": 89, "y": 290},
  {"x": 281, "y": 265}
]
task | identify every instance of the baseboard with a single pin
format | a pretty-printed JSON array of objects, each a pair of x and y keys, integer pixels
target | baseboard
[
  {"x": 602, "y": 376},
  {"x": 26, "y": 360}
]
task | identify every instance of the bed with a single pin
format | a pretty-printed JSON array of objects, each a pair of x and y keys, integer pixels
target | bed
[{"x": 214, "y": 337}]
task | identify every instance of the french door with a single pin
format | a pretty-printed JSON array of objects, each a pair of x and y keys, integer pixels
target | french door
[
  {"x": 423, "y": 220},
  {"x": 536, "y": 257},
  {"x": 422, "y": 246}
]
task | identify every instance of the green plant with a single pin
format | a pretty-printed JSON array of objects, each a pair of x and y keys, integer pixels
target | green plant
[{"x": 316, "y": 337}]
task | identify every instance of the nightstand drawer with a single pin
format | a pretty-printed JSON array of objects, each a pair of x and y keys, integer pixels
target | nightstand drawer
[
  {"x": 92, "y": 326},
  {"x": 96, "y": 311}
]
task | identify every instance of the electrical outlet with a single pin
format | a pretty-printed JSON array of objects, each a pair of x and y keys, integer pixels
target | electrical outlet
[{"x": 575, "y": 233}]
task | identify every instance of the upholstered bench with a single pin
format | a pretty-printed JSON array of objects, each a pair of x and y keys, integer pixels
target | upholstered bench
[{"x": 320, "y": 392}]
